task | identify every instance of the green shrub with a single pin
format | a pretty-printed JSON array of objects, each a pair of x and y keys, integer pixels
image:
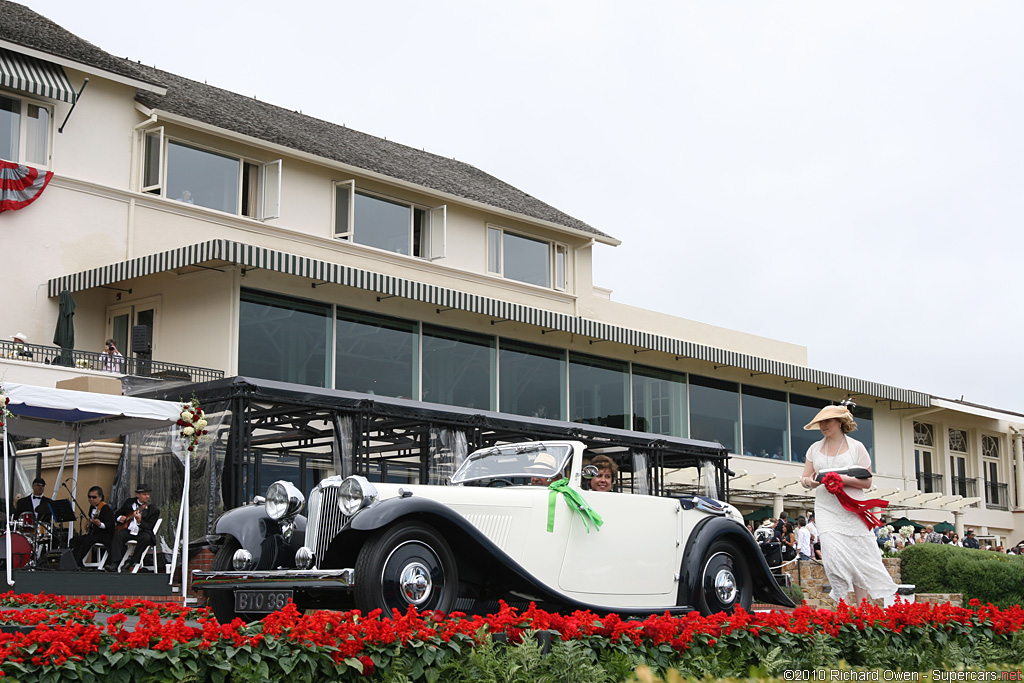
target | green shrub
[
  {"x": 984, "y": 575},
  {"x": 795, "y": 593}
]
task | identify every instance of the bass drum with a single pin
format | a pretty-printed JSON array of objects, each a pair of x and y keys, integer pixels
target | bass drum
[{"x": 21, "y": 550}]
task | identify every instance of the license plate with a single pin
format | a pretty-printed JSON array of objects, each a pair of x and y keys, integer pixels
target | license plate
[{"x": 261, "y": 601}]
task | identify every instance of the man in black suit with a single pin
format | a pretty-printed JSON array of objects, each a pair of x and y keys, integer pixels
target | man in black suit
[
  {"x": 100, "y": 526},
  {"x": 37, "y": 503},
  {"x": 140, "y": 516}
]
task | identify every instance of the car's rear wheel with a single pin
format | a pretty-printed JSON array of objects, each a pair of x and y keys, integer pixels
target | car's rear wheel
[
  {"x": 406, "y": 564},
  {"x": 724, "y": 581},
  {"x": 223, "y": 601}
]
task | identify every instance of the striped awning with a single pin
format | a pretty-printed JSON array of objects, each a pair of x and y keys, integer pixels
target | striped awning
[
  {"x": 327, "y": 272},
  {"x": 31, "y": 75}
]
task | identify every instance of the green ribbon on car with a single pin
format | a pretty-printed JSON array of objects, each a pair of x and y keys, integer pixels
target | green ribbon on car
[{"x": 575, "y": 502}]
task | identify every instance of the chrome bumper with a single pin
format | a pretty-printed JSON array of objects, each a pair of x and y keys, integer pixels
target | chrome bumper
[{"x": 297, "y": 579}]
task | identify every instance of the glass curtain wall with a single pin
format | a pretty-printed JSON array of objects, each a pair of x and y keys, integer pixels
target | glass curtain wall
[
  {"x": 287, "y": 339},
  {"x": 532, "y": 380},
  {"x": 458, "y": 368},
  {"x": 599, "y": 391},
  {"x": 659, "y": 401},
  {"x": 284, "y": 339},
  {"x": 715, "y": 411},
  {"x": 802, "y": 410},
  {"x": 864, "y": 417},
  {"x": 376, "y": 355},
  {"x": 765, "y": 424}
]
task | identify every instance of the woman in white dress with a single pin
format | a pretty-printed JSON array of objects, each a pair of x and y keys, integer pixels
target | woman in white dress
[{"x": 849, "y": 551}]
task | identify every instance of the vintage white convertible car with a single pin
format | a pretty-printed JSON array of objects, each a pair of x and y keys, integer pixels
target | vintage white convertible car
[{"x": 517, "y": 523}]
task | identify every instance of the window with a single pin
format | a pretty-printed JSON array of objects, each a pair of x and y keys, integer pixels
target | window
[
  {"x": 865, "y": 420},
  {"x": 203, "y": 177},
  {"x": 995, "y": 492},
  {"x": 24, "y": 131},
  {"x": 958, "y": 440},
  {"x": 527, "y": 259},
  {"x": 802, "y": 410},
  {"x": 284, "y": 339},
  {"x": 531, "y": 380},
  {"x": 458, "y": 368},
  {"x": 715, "y": 411},
  {"x": 958, "y": 461},
  {"x": 928, "y": 481},
  {"x": 387, "y": 223},
  {"x": 765, "y": 427},
  {"x": 659, "y": 401},
  {"x": 376, "y": 354},
  {"x": 599, "y": 391}
]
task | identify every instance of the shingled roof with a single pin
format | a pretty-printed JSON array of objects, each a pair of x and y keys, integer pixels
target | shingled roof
[{"x": 260, "y": 120}]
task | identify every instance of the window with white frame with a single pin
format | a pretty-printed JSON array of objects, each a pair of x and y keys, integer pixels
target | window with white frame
[
  {"x": 958, "y": 451},
  {"x": 395, "y": 225},
  {"x": 989, "y": 446},
  {"x": 192, "y": 174},
  {"x": 526, "y": 259},
  {"x": 25, "y": 127}
]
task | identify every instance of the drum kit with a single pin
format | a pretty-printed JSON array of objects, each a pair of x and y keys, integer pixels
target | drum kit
[{"x": 30, "y": 541}]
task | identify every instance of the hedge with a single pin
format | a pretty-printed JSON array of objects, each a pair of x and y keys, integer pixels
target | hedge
[{"x": 982, "y": 575}]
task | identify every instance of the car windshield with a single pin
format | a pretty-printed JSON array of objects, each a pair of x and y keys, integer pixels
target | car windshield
[{"x": 534, "y": 460}]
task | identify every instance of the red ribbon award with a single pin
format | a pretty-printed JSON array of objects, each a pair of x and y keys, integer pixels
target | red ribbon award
[{"x": 862, "y": 508}]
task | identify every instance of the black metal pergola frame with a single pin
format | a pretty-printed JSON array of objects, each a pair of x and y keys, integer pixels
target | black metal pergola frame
[{"x": 289, "y": 419}]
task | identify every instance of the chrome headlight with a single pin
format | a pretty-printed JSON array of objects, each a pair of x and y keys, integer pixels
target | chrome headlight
[
  {"x": 354, "y": 494},
  {"x": 283, "y": 500}
]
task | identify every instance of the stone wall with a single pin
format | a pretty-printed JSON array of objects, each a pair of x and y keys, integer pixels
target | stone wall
[{"x": 810, "y": 576}]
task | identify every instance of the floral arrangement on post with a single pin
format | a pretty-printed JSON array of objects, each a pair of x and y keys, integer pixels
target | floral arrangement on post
[
  {"x": 4, "y": 400},
  {"x": 193, "y": 423}
]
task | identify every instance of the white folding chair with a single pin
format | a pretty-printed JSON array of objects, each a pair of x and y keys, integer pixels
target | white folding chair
[
  {"x": 96, "y": 557},
  {"x": 130, "y": 548}
]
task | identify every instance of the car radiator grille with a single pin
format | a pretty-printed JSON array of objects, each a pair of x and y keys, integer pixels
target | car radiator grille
[{"x": 324, "y": 521}]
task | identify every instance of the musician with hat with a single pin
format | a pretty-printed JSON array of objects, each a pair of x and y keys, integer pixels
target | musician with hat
[
  {"x": 135, "y": 521},
  {"x": 37, "y": 503}
]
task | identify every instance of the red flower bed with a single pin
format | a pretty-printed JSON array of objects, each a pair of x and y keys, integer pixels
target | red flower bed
[{"x": 347, "y": 644}]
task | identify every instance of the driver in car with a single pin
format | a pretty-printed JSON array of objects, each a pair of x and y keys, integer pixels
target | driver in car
[{"x": 543, "y": 463}]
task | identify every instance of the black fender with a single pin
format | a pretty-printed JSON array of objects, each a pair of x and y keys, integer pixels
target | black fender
[
  {"x": 474, "y": 552},
  {"x": 262, "y": 536},
  {"x": 706, "y": 532}
]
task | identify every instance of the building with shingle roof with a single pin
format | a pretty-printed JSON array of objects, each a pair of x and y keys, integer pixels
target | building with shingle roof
[{"x": 204, "y": 229}]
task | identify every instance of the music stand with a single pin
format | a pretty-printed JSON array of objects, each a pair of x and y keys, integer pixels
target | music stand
[{"x": 62, "y": 511}]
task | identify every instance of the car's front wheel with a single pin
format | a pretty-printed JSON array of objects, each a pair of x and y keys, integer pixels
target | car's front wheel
[
  {"x": 724, "y": 581},
  {"x": 223, "y": 601},
  {"x": 406, "y": 564}
]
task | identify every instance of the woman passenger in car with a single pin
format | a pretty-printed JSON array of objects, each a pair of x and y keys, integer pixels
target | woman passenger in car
[{"x": 607, "y": 471}]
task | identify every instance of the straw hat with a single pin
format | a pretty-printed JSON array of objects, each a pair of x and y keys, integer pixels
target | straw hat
[
  {"x": 841, "y": 413},
  {"x": 21, "y": 336}
]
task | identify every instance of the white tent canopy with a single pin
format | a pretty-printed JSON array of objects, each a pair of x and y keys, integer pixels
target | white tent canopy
[
  {"x": 75, "y": 416},
  {"x": 68, "y": 415}
]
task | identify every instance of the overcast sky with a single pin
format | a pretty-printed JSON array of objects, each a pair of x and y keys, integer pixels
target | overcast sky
[{"x": 842, "y": 175}]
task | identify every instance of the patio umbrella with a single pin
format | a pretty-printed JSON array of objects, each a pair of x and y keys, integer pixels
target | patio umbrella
[
  {"x": 64, "y": 335},
  {"x": 903, "y": 521},
  {"x": 943, "y": 527},
  {"x": 758, "y": 514}
]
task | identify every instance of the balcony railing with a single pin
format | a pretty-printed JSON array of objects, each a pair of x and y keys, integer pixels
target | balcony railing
[
  {"x": 929, "y": 482},
  {"x": 965, "y": 487},
  {"x": 996, "y": 496},
  {"x": 91, "y": 360}
]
